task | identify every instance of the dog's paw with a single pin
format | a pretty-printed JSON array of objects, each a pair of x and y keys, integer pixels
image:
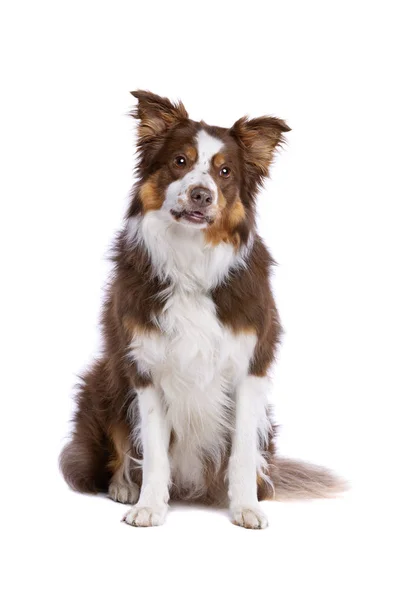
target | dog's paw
[
  {"x": 123, "y": 492},
  {"x": 250, "y": 518},
  {"x": 146, "y": 516}
]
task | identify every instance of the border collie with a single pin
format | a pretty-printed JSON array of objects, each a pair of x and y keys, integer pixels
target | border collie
[{"x": 177, "y": 405}]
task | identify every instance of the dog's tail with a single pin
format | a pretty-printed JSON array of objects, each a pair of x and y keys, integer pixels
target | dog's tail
[
  {"x": 83, "y": 466},
  {"x": 299, "y": 480},
  {"x": 84, "y": 459}
]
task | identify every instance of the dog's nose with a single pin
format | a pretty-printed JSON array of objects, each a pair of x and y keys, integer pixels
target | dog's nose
[{"x": 201, "y": 196}]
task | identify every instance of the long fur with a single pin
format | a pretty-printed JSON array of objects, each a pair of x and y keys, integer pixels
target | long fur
[
  {"x": 190, "y": 330},
  {"x": 300, "y": 480}
]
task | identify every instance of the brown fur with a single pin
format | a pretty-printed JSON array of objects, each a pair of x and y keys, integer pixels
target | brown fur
[
  {"x": 156, "y": 115},
  {"x": 120, "y": 437},
  {"x": 259, "y": 138},
  {"x": 219, "y": 160},
  {"x": 246, "y": 303},
  {"x": 107, "y": 408},
  {"x": 225, "y": 228},
  {"x": 191, "y": 153},
  {"x": 150, "y": 196}
]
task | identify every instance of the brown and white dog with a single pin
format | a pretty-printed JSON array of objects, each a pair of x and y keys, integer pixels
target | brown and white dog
[{"x": 178, "y": 406}]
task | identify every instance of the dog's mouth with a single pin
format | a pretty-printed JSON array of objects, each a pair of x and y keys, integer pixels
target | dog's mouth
[{"x": 192, "y": 216}]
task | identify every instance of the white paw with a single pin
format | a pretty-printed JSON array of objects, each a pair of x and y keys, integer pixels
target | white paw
[
  {"x": 146, "y": 516},
  {"x": 123, "y": 492},
  {"x": 250, "y": 518}
]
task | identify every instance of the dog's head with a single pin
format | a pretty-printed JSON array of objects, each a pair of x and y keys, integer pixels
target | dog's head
[{"x": 203, "y": 177}]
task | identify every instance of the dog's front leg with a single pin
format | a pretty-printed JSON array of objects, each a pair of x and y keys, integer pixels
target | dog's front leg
[
  {"x": 244, "y": 459},
  {"x": 152, "y": 506}
]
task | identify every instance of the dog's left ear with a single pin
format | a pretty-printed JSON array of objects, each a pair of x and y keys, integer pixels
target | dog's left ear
[
  {"x": 156, "y": 114},
  {"x": 258, "y": 139}
]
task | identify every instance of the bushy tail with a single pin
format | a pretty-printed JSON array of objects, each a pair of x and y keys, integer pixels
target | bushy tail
[
  {"x": 83, "y": 466},
  {"x": 298, "y": 480},
  {"x": 83, "y": 461}
]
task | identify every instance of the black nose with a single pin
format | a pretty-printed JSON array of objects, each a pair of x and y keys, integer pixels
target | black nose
[{"x": 201, "y": 196}]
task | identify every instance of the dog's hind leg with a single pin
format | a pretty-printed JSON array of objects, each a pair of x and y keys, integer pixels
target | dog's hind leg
[{"x": 121, "y": 487}]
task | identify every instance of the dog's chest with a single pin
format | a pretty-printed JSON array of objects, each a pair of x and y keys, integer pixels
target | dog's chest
[
  {"x": 192, "y": 351},
  {"x": 195, "y": 362}
]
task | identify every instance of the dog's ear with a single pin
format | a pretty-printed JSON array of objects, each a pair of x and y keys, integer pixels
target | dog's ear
[
  {"x": 156, "y": 115},
  {"x": 258, "y": 139}
]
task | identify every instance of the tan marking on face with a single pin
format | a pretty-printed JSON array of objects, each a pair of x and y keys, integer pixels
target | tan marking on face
[
  {"x": 236, "y": 213},
  {"x": 191, "y": 153},
  {"x": 219, "y": 160},
  {"x": 221, "y": 202},
  {"x": 150, "y": 195},
  {"x": 223, "y": 228}
]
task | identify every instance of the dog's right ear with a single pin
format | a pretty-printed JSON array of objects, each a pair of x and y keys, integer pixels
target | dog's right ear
[
  {"x": 156, "y": 115},
  {"x": 258, "y": 139}
]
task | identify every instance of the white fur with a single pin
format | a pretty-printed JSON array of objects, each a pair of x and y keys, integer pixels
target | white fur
[
  {"x": 180, "y": 255},
  {"x": 246, "y": 461},
  {"x": 155, "y": 435},
  {"x": 195, "y": 362},
  {"x": 177, "y": 191}
]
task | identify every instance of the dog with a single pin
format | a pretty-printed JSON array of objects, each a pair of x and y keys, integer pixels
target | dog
[{"x": 177, "y": 405}]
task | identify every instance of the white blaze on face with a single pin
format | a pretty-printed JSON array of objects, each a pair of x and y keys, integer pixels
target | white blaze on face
[{"x": 178, "y": 191}]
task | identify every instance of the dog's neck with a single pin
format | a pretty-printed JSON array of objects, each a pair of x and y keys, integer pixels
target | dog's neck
[{"x": 180, "y": 255}]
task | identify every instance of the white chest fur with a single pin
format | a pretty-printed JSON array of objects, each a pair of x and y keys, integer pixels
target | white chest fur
[
  {"x": 195, "y": 361},
  {"x": 195, "y": 364}
]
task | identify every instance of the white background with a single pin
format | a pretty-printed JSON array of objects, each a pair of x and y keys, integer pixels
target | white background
[{"x": 330, "y": 217}]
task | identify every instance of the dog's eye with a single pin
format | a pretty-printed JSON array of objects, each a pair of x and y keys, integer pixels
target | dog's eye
[
  {"x": 225, "y": 172},
  {"x": 180, "y": 161}
]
